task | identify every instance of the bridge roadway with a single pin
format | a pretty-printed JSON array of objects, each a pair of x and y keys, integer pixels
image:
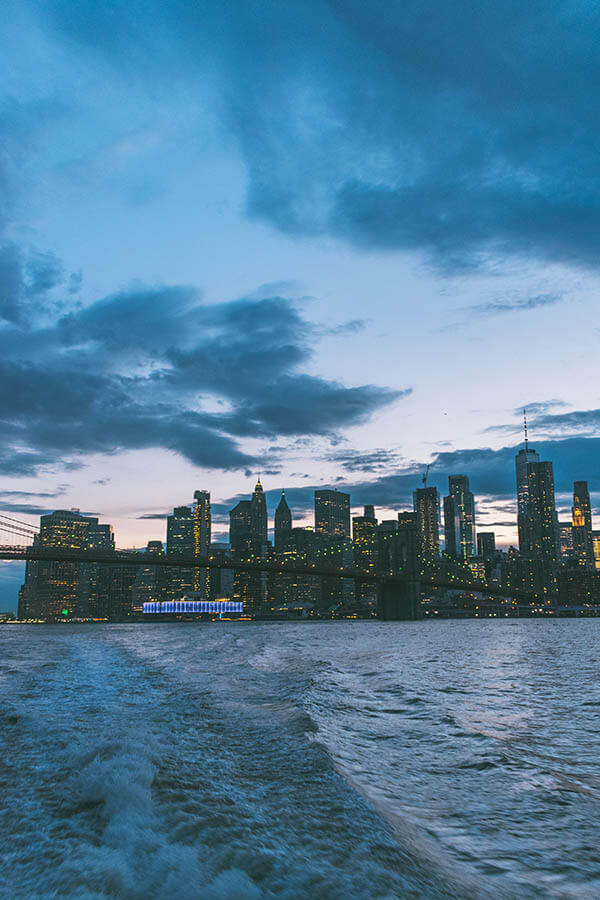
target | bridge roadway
[
  {"x": 141, "y": 559},
  {"x": 135, "y": 558}
]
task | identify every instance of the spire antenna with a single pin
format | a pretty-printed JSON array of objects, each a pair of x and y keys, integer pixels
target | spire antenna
[{"x": 525, "y": 429}]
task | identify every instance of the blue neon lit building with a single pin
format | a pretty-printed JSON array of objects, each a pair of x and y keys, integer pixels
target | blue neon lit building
[{"x": 193, "y": 606}]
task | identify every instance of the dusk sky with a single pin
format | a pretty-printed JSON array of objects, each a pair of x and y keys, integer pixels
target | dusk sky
[{"x": 325, "y": 242}]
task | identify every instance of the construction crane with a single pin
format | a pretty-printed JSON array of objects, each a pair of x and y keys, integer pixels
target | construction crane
[{"x": 424, "y": 478}]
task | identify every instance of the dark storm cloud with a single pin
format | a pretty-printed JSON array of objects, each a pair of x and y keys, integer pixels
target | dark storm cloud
[
  {"x": 460, "y": 129},
  {"x": 493, "y": 307},
  {"x": 371, "y": 461},
  {"x": 27, "y": 282},
  {"x": 541, "y": 420},
  {"x": 491, "y": 474},
  {"x": 11, "y": 494},
  {"x": 25, "y": 508},
  {"x": 579, "y": 420},
  {"x": 15, "y": 462},
  {"x": 510, "y": 523},
  {"x": 541, "y": 406},
  {"x": 136, "y": 369}
]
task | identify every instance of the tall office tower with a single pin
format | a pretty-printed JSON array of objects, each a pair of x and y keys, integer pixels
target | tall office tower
[
  {"x": 221, "y": 580},
  {"x": 95, "y": 578},
  {"x": 259, "y": 516},
  {"x": 524, "y": 457},
  {"x": 249, "y": 587},
  {"x": 181, "y": 542},
  {"x": 283, "y": 522},
  {"x": 332, "y": 513},
  {"x": 51, "y": 588},
  {"x": 542, "y": 520},
  {"x": 300, "y": 547},
  {"x": 150, "y": 581},
  {"x": 364, "y": 540},
  {"x": 583, "y": 547},
  {"x": 180, "y": 532},
  {"x": 408, "y": 541},
  {"x": 202, "y": 528},
  {"x": 486, "y": 544},
  {"x": 596, "y": 546},
  {"x": 459, "y": 519},
  {"x": 202, "y": 523},
  {"x": 240, "y": 527},
  {"x": 565, "y": 539},
  {"x": 427, "y": 508}
]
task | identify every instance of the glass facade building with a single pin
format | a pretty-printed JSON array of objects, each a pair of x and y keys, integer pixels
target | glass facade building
[{"x": 332, "y": 513}]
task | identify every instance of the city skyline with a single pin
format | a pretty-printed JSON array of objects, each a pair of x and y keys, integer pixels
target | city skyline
[{"x": 553, "y": 558}]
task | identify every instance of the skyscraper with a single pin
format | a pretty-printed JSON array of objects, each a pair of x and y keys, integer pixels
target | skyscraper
[
  {"x": 181, "y": 542},
  {"x": 283, "y": 522},
  {"x": 524, "y": 457},
  {"x": 248, "y": 539},
  {"x": 332, "y": 513},
  {"x": 240, "y": 527},
  {"x": 202, "y": 523},
  {"x": 427, "y": 508},
  {"x": 151, "y": 582},
  {"x": 459, "y": 518},
  {"x": 408, "y": 540},
  {"x": 52, "y": 588},
  {"x": 180, "y": 532},
  {"x": 259, "y": 516},
  {"x": 202, "y": 530},
  {"x": 486, "y": 544},
  {"x": 565, "y": 539},
  {"x": 583, "y": 547},
  {"x": 543, "y": 537},
  {"x": 95, "y": 578},
  {"x": 364, "y": 539}
]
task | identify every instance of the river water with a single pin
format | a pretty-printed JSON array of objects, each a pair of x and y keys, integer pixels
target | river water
[{"x": 326, "y": 761}]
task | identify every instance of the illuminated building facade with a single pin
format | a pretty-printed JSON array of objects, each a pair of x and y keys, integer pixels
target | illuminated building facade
[
  {"x": 459, "y": 519},
  {"x": 426, "y": 503},
  {"x": 258, "y": 515},
  {"x": 299, "y": 546},
  {"x": 283, "y": 521},
  {"x": 408, "y": 541},
  {"x": 486, "y": 544},
  {"x": 202, "y": 532},
  {"x": 332, "y": 513},
  {"x": 95, "y": 579},
  {"x": 565, "y": 537},
  {"x": 240, "y": 527},
  {"x": 524, "y": 457},
  {"x": 180, "y": 542},
  {"x": 542, "y": 518},
  {"x": 364, "y": 540},
  {"x": 583, "y": 548},
  {"x": 151, "y": 582},
  {"x": 248, "y": 526},
  {"x": 52, "y": 588},
  {"x": 221, "y": 580}
]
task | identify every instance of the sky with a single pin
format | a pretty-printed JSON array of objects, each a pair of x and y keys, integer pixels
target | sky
[{"x": 324, "y": 242}]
